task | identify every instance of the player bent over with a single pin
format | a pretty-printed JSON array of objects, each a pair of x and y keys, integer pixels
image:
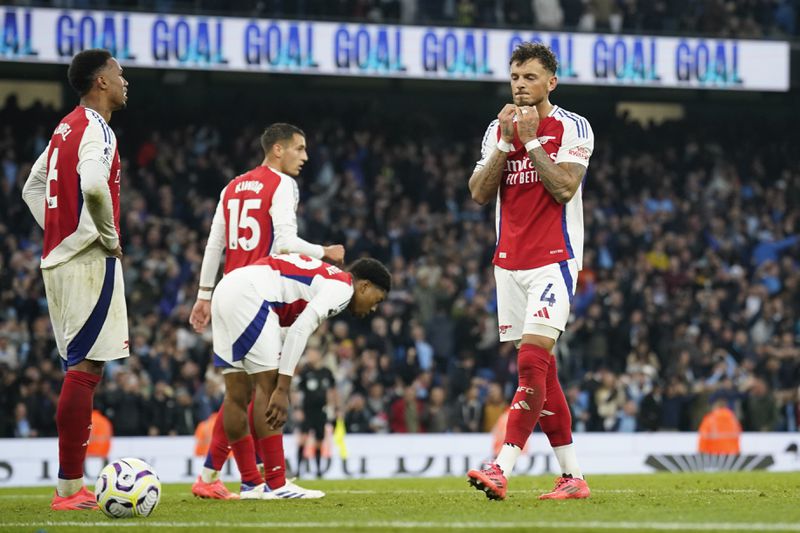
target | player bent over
[
  {"x": 250, "y": 307},
  {"x": 255, "y": 217},
  {"x": 534, "y": 158}
]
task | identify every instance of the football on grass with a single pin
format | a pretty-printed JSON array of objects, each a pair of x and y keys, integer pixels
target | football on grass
[{"x": 126, "y": 488}]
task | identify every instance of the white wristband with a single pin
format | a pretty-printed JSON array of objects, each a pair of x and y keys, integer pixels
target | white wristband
[
  {"x": 204, "y": 294},
  {"x": 532, "y": 145},
  {"x": 504, "y": 146}
]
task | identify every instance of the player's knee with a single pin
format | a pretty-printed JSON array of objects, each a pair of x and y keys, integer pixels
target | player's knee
[
  {"x": 235, "y": 393},
  {"x": 90, "y": 367},
  {"x": 264, "y": 384},
  {"x": 532, "y": 360},
  {"x": 545, "y": 342}
]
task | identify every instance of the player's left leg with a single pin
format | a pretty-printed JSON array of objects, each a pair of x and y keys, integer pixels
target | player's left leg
[
  {"x": 74, "y": 424},
  {"x": 557, "y": 284},
  {"x": 556, "y": 423},
  {"x": 86, "y": 299}
]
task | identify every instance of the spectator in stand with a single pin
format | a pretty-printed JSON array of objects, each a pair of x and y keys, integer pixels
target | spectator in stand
[{"x": 407, "y": 413}]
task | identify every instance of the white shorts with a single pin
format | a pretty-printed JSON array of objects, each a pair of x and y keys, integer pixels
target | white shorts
[
  {"x": 247, "y": 334},
  {"x": 535, "y": 301},
  {"x": 86, "y": 301}
]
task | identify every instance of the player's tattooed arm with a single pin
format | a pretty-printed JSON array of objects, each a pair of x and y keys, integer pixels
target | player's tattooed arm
[
  {"x": 561, "y": 180},
  {"x": 484, "y": 182}
]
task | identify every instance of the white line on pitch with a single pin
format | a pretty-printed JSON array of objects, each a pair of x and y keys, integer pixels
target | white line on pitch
[{"x": 661, "y": 526}]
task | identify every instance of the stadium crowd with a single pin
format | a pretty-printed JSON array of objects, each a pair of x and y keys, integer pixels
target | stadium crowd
[
  {"x": 726, "y": 18},
  {"x": 690, "y": 292}
]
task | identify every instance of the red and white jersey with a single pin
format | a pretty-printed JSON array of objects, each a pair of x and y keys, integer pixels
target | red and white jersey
[
  {"x": 292, "y": 282},
  {"x": 244, "y": 208},
  {"x": 68, "y": 227},
  {"x": 255, "y": 217},
  {"x": 534, "y": 230}
]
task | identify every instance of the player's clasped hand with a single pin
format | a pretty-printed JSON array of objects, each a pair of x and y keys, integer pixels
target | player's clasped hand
[
  {"x": 506, "y": 118},
  {"x": 527, "y": 122},
  {"x": 278, "y": 409},
  {"x": 334, "y": 253}
]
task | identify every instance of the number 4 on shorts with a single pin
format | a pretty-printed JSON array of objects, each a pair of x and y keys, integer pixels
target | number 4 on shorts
[{"x": 549, "y": 299}]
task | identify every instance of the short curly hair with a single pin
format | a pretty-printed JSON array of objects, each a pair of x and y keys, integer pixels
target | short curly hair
[
  {"x": 524, "y": 52},
  {"x": 84, "y": 68},
  {"x": 373, "y": 271}
]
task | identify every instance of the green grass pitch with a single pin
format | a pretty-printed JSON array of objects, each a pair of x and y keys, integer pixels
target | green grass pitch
[{"x": 758, "y": 501}]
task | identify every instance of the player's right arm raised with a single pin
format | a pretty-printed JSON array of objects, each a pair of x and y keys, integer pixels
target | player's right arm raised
[{"x": 485, "y": 179}]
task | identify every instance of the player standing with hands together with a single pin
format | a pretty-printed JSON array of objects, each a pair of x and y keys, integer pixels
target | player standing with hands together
[{"x": 533, "y": 160}]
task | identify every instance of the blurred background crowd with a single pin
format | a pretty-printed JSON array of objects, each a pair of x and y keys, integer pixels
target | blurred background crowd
[
  {"x": 727, "y": 18},
  {"x": 690, "y": 291}
]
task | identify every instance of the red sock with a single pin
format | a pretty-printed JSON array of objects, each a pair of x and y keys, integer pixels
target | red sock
[
  {"x": 74, "y": 421},
  {"x": 274, "y": 461},
  {"x": 244, "y": 451},
  {"x": 532, "y": 362},
  {"x": 219, "y": 447},
  {"x": 253, "y": 431},
  {"x": 558, "y": 425}
]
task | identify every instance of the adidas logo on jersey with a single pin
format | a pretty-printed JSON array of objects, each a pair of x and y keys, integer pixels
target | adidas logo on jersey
[
  {"x": 543, "y": 313},
  {"x": 522, "y": 404}
]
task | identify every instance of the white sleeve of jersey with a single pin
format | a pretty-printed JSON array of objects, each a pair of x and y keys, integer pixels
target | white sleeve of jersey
[
  {"x": 95, "y": 156},
  {"x": 97, "y": 200},
  {"x": 331, "y": 299},
  {"x": 577, "y": 143},
  {"x": 97, "y": 144},
  {"x": 34, "y": 191},
  {"x": 214, "y": 247},
  {"x": 488, "y": 144},
  {"x": 284, "y": 221}
]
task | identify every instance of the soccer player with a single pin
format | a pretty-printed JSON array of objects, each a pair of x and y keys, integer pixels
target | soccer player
[
  {"x": 255, "y": 216},
  {"x": 73, "y": 193},
  {"x": 250, "y": 308},
  {"x": 533, "y": 160}
]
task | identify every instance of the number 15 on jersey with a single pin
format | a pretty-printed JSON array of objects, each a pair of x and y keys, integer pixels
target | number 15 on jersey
[{"x": 239, "y": 218}]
